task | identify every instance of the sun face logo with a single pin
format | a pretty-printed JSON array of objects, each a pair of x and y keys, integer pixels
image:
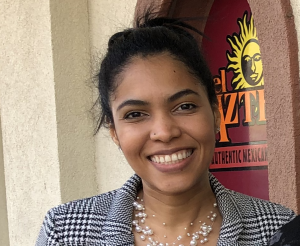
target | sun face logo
[{"x": 245, "y": 59}]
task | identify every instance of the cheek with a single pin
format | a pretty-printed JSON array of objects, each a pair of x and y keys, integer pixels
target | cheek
[
  {"x": 132, "y": 139},
  {"x": 260, "y": 66},
  {"x": 204, "y": 135},
  {"x": 202, "y": 126},
  {"x": 133, "y": 142}
]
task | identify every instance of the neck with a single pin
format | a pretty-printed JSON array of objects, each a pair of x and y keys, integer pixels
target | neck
[
  {"x": 180, "y": 209},
  {"x": 176, "y": 217}
]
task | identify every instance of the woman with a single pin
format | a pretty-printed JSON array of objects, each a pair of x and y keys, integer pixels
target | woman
[{"x": 159, "y": 103}]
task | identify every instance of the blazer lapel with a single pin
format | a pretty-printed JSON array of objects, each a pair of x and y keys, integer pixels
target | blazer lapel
[
  {"x": 232, "y": 224},
  {"x": 117, "y": 228}
]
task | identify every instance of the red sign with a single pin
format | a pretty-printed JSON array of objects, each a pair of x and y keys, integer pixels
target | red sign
[
  {"x": 233, "y": 53},
  {"x": 240, "y": 156}
]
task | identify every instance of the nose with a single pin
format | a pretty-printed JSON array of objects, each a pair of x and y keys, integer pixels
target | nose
[
  {"x": 253, "y": 68},
  {"x": 164, "y": 129}
]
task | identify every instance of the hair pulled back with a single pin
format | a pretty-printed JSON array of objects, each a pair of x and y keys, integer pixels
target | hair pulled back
[{"x": 150, "y": 36}]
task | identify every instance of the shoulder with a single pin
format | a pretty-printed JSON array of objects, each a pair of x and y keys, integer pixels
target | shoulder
[
  {"x": 249, "y": 207},
  {"x": 84, "y": 220},
  {"x": 95, "y": 204},
  {"x": 267, "y": 210},
  {"x": 70, "y": 221},
  {"x": 254, "y": 220},
  {"x": 260, "y": 218}
]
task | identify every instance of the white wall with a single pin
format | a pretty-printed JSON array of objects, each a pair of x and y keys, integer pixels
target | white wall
[
  {"x": 28, "y": 117},
  {"x": 106, "y": 18},
  {"x": 48, "y": 145},
  {"x": 4, "y": 238}
]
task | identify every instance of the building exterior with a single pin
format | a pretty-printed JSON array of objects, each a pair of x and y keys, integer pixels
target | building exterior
[{"x": 48, "y": 154}]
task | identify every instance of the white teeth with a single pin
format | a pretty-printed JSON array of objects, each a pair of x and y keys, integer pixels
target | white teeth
[{"x": 170, "y": 159}]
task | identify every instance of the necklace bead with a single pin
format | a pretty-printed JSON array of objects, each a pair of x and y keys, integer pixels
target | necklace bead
[
  {"x": 138, "y": 229},
  {"x": 193, "y": 242},
  {"x": 147, "y": 231}
]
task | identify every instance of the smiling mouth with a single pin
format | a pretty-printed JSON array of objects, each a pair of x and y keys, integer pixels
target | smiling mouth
[{"x": 171, "y": 159}]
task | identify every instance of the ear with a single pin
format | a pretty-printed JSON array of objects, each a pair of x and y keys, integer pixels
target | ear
[
  {"x": 114, "y": 135},
  {"x": 217, "y": 117}
]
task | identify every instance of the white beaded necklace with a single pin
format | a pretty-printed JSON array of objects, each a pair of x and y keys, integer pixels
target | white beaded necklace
[{"x": 147, "y": 232}]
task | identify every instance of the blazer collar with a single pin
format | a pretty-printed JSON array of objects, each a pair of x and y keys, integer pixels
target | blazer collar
[
  {"x": 117, "y": 226},
  {"x": 232, "y": 225}
]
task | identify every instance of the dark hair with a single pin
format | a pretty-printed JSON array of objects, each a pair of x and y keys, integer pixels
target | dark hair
[{"x": 150, "y": 36}]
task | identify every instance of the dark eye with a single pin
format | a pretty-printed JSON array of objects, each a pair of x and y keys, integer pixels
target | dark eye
[
  {"x": 186, "y": 106},
  {"x": 257, "y": 58},
  {"x": 134, "y": 115},
  {"x": 247, "y": 58}
]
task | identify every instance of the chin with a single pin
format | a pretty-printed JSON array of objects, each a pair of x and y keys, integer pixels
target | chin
[{"x": 176, "y": 187}]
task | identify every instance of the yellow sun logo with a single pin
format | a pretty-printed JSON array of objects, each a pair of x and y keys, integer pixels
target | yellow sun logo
[{"x": 245, "y": 59}]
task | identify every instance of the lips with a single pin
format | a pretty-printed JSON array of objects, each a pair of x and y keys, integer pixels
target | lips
[
  {"x": 172, "y": 158},
  {"x": 253, "y": 76}
]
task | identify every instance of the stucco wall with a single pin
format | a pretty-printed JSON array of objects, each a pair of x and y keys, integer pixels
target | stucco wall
[
  {"x": 48, "y": 145},
  {"x": 106, "y": 18},
  {"x": 296, "y": 15},
  {"x": 276, "y": 31},
  {"x": 4, "y": 238},
  {"x": 73, "y": 97},
  {"x": 28, "y": 117}
]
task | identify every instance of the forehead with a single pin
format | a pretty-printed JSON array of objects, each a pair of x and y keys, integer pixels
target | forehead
[
  {"x": 251, "y": 48},
  {"x": 159, "y": 73}
]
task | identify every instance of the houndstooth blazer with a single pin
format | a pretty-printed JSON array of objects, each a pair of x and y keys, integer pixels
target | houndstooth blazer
[{"x": 105, "y": 220}]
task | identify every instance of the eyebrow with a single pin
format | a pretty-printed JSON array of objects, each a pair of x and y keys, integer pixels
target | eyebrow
[
  {"x": 132, "y": 102},
  {"x": 176, "y": 96},
  {"x": 182, "y": 93}
]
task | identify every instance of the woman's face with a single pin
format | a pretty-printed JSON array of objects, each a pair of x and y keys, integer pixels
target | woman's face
[{"x": 164, "y": 124}]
